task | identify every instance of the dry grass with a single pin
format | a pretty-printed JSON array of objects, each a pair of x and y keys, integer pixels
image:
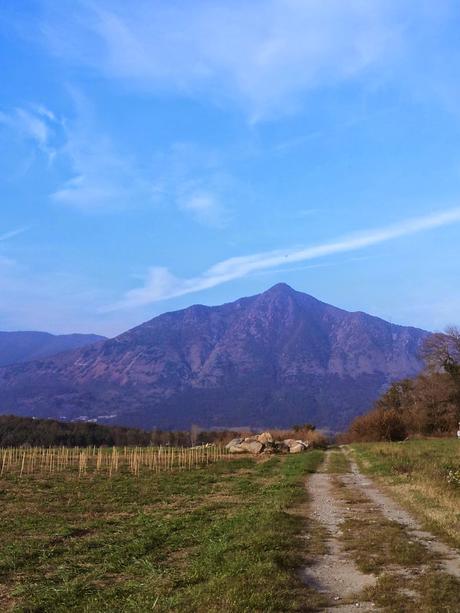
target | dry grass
[
  {"x": 431, "y": 592},
  {"x": 438, "y": 509},
  {"x": 315, "y": 437},
  {"x": 377, "y": 543},
  {"x": 416, "y": 474}
]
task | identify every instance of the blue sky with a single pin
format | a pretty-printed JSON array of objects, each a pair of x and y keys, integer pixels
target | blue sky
[{"x": 159, "y": 154}]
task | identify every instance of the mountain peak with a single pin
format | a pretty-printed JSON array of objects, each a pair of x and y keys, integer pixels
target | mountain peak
[
  {"x": 285, "y": 291},
  {"x": 273, "y": 359},
  {"x": 280, "y": 288}
]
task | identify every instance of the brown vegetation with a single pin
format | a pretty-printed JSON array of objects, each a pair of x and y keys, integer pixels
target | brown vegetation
[
  {"x": 427, "y": 405},
  {"x": 308, "y": 433}
]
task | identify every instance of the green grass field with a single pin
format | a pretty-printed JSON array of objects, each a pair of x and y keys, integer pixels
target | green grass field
[
  {"x": 220, "y": 537},
  {"x": 228, "y": 536},
  {"x": 424, "y": 476}
]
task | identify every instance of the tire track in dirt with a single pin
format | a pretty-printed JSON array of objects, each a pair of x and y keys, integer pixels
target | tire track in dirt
[
  {"x": 333, "y": 574},
  {"x": 449, "y": 558}
]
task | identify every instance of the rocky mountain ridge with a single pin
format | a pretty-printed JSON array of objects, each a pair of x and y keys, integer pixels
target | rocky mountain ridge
[{"x": 274, "y": 359}]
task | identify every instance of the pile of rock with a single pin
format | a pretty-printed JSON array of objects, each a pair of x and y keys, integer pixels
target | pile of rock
[{"x": 265, "y": 443}]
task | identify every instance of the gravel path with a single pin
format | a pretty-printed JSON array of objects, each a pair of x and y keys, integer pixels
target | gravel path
[{"x": 335, "y": 574}]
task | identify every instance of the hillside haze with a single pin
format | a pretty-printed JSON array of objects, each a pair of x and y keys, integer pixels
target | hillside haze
[
  {"x": 16, "y": 347},
  {"x": 274, "y": 359}
]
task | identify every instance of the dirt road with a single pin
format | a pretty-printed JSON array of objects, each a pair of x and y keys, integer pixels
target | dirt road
[{"x": 377, "y": 555}]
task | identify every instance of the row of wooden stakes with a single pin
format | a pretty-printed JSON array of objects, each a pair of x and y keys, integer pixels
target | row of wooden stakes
[{"x": 105, "y": 460}]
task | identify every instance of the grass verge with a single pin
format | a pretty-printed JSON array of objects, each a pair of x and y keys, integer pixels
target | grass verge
[
  {"x": 337, "y": 463},
  {"x": 408, "y": 578},
  {"x": 431, "y": 592},
  {"x": 418, "y": 473}
]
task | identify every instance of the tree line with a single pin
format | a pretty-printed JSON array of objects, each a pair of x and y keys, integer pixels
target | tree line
[
  {"x": 427, "y": 405},
  {"x": 27, "y": 431}
]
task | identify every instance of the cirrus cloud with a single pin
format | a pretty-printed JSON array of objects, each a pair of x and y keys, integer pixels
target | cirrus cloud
[
  {"x": 262, "y": 55},
  {"x": 161, "y": 284}
]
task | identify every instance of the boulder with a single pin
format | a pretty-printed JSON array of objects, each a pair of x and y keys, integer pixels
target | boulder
[
  {"x": 264, "y": 438},
  {"x": 281, "y": 447},
  {"x": 236, "y": 449},
  {"x": 252, "y": 446},
  {"x": 295, "y": 446},
  {"x": 264, "y": 443},
  {"x": 245, "y": 445},
  {"x": 234, "y": 442}
]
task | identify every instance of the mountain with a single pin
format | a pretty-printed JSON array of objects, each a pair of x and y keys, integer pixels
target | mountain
[
  {"x": 274, "y": 359},
  {"x": 18, "y": 347}
]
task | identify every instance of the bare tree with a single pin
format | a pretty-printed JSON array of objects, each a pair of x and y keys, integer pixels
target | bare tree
[{"x": 441, "y": 352}]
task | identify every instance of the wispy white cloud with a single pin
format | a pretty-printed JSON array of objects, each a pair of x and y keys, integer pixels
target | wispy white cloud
[
  {"x": 262, "y": 55},
  {"x": 101, "y": 177},
  {"x": 96, "y": 175},
  {"x": 160, "y": 284},
  {"x": 12, "y": 233},
  {"x": 205, "y": 208},
  {"x": 36, "y": 124},
  {"x": 194, "y": 180}
]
